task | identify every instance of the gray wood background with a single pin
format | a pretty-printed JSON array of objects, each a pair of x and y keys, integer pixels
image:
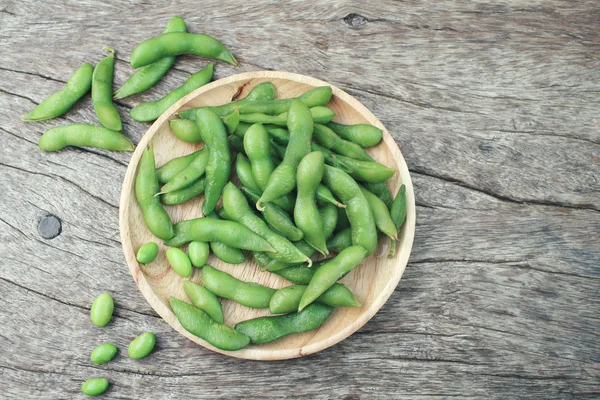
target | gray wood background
[{"x": 496, "y": 108}]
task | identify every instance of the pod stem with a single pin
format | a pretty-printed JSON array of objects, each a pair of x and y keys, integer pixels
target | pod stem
[{"x": 109, "y": 49}]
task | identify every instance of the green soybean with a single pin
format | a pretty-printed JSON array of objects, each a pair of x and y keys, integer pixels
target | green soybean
[
  {"x": 198, "y": 253},
  {"x": 188, "y": 175},
  {"x": 243, "y": 170},
  {"x": 146, "y": 77},
  {"x": 330, "y": 272},
  {"x": 319, "y": 115},
  {"x": 180, "y": 262},
  {"x": 279, "y": 134},
  {"x": 258, "y": 150},
  {"x": 380, "y": 190},
  {"x": 198, "y": 323},
  {"x": 156, "y": 217},
  {"x": 231, "y": 121},
  {"x": 237, "y": 144},
  {"x": 287, "y": 299},
  {"x": 172, "y": 167},
  {"x": 223, "y": 252},
  {"x": 102, "y": 80},
  {"x": 103, "y": 353},
  {"x": 268, "y": 329},
  {"x": 341, "y": 240},
  {"x": 224, "y": 285},
  {"x": 102, "y": 309},
  {"x": 398, "y": 214},
  {"x": 176, "y": 43},
  {"x": 150, "y": 111},
  {"x": 366, "y": 171},
  {"x": 327, "y": 138},
  {"x": 94, "y": 386},
  {"x": 186, "y": 130},
  {"x": 60, "y": 102},
  {"x": 318, "y": 96},
  {"x": 142, "y": 345},
  {"x": 383, "y": 220},
  {"x": 342, "y": 221},
  {"x": 84, "y": 135},
  {"x": 300, "y": 274},
  {"x": 205, "y": 300},
  {"x": 147, "y": 253},
  {"x": 363, "y": 135},
  {"x": 184, "y": 194}
]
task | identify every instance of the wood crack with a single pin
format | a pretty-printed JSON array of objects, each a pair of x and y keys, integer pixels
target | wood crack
[
  {"x": 18, "y": 95},
  {"x": 32, "y": 74}
]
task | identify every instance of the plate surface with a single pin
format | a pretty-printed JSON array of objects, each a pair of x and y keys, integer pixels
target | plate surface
[{"x": 372, "y": 282}]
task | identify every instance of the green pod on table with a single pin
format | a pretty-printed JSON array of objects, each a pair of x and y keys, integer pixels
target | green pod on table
[
  {"x": 94, "y": 386},
  {"x": 102, "y": 309},
  {"x": 84, "y": 135},
  {"x": 383, "y": 220},
  {"x": 319, "y": 114},
  {"x": 228, "y": 254},
  {"x": 184, "y": 194},
  {"x": 382, "y": 191},
  {"x": 224, "y": 285},
  {"x": 188, "y": 175},
  {"x": 180, "y": 262},
  {"x": 364, "y": 135},
  {"x": 142, "y": 345},
  {"x": 60, "y": 102},
  {"x": 176, "y": 43},
  {"x": 146, "y": 77},
  {"x": 318, "y": 96},
  {"x": 398, "y": 214},
  {"x": 103, "y": 353},
  {"x": 341, "y": 240},
  {"x": 186, "y": 130},
  {"x": 147, "y": 253},
  {"x": 205, "y": 300},
  {"x": 198, "y": 323},
  {"x": 287, "y": 299},
  {"x": 156, "y": 217},
  {"x": 102, "y": 80},
  {"x": 269, "y": 329},
  {"x": 174, "y": 166},
  {"x": 328, "y": 139},
  {"x": 198, "y": 253}
]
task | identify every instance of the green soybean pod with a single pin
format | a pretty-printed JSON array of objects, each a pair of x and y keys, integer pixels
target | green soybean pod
[
  {"x": 102, "y": 80},
  {"x": 342, "y": 221},
  {"x": 231, "y": 121},
  {"x": 142, "y": 345},
  {"x": 198, "y": 253},
  {"x": 176, "y": 43},
  {"x": 103, "y": 353},
  {"x": 383, "y": 219},
  {"x": 269, "y": 329},
  {"x": 224, "y": 285},
  {"x": 258, "y": 149},
  {"x": 363, "y": 135},
  {"x": 398, "y": 214},
  {"x": 341, "y": 240},
  {"x": 327, "y": 138},
  {"x": 318, "y": 96},
  {"x": 366, "y": 171},
  {"x": 182, "y": 195},
  {"x": 186, "y": 130},
  {"x": 147, "y": 253},
  {"x": 172, "y": 167},
  {"x": 279, "y": 134},
  {"x": 225, "y": 253},
  {"x": 180, "y": 262},
  {"x": 329, "y": 216},
  {"x": 330, "y": 272},
  {"x": 156, "y": 217},
  {"x": 84, "y": 135},
  {"x": 150, "y": 111},
  {"x": 198, "y": 323},
  {"x": 380, "y": 190},
  {"x": 94, "y": 386},
  {"x": 205, "y": 300},
  {"x": 287, "y": 299},
  {"x": 319, "y": 115},
  {"x": 146, "y": 77},
  {"x": 243, "y": 170},
  {"x": 60, "y": 102},
  {"x": 102, "y": 310},
  {"x": 188, "y": 175},
  {"x": 301, "y": 274},
  {"x": 237, "y": 144}
]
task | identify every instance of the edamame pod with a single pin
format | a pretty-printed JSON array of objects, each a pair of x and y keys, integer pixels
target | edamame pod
[
  {"x": 186, "y": 130},
  {"x": 319, "y": 115},
  {"x": 84, "y": 135},
  {"x": 228, "y": 254},
  {"x": 94, "y": 386},
  {"x": 188, "y": 175},
  {"x": 198, "y": 323},
  {"x": 205, "y": 300},
  {"x": 142, "y": 345},
  {"x": 102, "y": 80},
  {"x": 60, "y": 102},
  {"x": 279, "y": 134},
  {"x": 287, "y": 299},
  {"x": 103, "y": 353},
  {"x": 171, "y": 168},
  {"x": 318, "y": 96},
  {"x": 147, "y": 253},
  {"x": 176, "y": 43},
  {"x": 243, "y": 170},
  {"x": 383, "y": 220},
  {"x": 224, "y": 285},
  {"x": 258, "y": 150},
  {"x": 341, "y": 240},
  {"x": 328, "y": 139},
  {"x": 180, "y": 262},
  {"x": 363, "y": 135},
  {"x": 366, "y": 171},
  {"x": 398, "y": 214},
  {"x": 301, "y": 274},
  {"x": 231, "y": 121},
  {"x": 102, "y": 310},
  {"x": 184, "y": 194},
  {"x": 380, "y": 190},
  {"x": 198, "y": 253}
]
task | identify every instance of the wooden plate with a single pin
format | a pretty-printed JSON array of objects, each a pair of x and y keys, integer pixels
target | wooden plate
[{"x": 372, "y": 282}]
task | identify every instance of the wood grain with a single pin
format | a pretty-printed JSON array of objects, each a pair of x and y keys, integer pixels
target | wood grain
[{"x": 494, "y": 106}]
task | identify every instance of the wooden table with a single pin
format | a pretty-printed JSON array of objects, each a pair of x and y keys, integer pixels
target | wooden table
[{"x": 496, "y": 108}]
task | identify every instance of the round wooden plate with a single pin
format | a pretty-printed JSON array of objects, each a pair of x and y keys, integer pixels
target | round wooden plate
[{"x": 372, "y": 282}]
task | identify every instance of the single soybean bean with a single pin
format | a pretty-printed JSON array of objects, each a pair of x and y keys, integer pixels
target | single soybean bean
[
  {"x": 188, "y": 175},
  {"x": 363, "y": 135},
  {"x": 94, "y": 386},
  {"x": 319, "y": 115},
  {"x": 180, "y": 262},
  {"x": 60, "y": 102},
  {"x": 330, "y": 272},
  {"x": 174, "y": 166},
  {"x": 102, "y": 310},
  {"x": 146, "y": 77},
  {"x": 103, "y": 353},
  {"x": 102, "y": 80},
  {"x": 184, "y": 194},
  {"x": 327, "y": 138},
  {"x": 383, "y": 220},
  {"x": 205, "y": 300},
  {"x": 268, "y": 329},
  {"x": 318, "y": 96},
  {"x": 84, "y": 135},
  {"x": 147, "y": 253},
  {"x": 156, "y": 217},
  {"x": 382, "y": 191},
  {"x": 198, "y": 253},
  {"x": 142, "y": 345},
  {"x": 186, "y": 130},
  {"x": 287, "y": 299},
  {"x": 341, "y": 240},
  {"x": 231, "y": 233},
  {"x": 198, "y": 323},
  {"x": 228, "y": 254},
  {"x": 224, "y": 285},
  {"x": 176, "y": 43},
  {"x": 398, "y": 214}
]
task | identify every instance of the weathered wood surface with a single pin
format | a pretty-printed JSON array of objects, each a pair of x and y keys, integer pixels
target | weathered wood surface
[{"x": 495, "y": 106}]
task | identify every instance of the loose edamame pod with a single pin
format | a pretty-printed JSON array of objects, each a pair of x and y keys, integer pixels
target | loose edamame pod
[
  {"x": 94, "y": 386},
  {"x": 383, "y": 220},
  {"x": 146, "y": 77},
  {"x": 186, "y": 130},
  {"x": 150, "y": 111},
  {"x": 341, "y": 240},
  {"x": 176, "y": 43},
  {"x": 103, "y": 353},
  {"x": 180, "y": 262},
  {"x": 102, "y": 310},
  {"x": 231, "y": 233},
  {"x": 380, "y": 190},
  {"x": 147, "y": 253},
  {"x": 306, "y": 214},
  {"x": 198, "y": 323},
  {"x": 329, "y": 273},
  {"x": 171, "y": 168},
  {"x": 184, "y": 194},
  {"x": 198, "y": 253},
  {"x": 358, "y": 210},
  {"x": 398, "y": 214},
  {"x": 228, "y": 254},
  {"x": 60, "y": 102},
  {"x": 287, "y": 299},
  {"x": 319, "y": 115},
  {"x": 102, "y": 80},
  {"x": 205, "y": 300},
  {"x": 327, "y": 138},
  {"x": 84, "y": 135},
  {"x": 224, "y": 285},
  {"x": 188, "y": 175},
  {"x": 156, "y": 217},
  {"x": 268, "y": 329},
  {"x": 363, "y": 135},
  {"x": 218, "y": 168},
  {"x": 318, "y": 96},
  {"x": 142, "y": 345}
]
